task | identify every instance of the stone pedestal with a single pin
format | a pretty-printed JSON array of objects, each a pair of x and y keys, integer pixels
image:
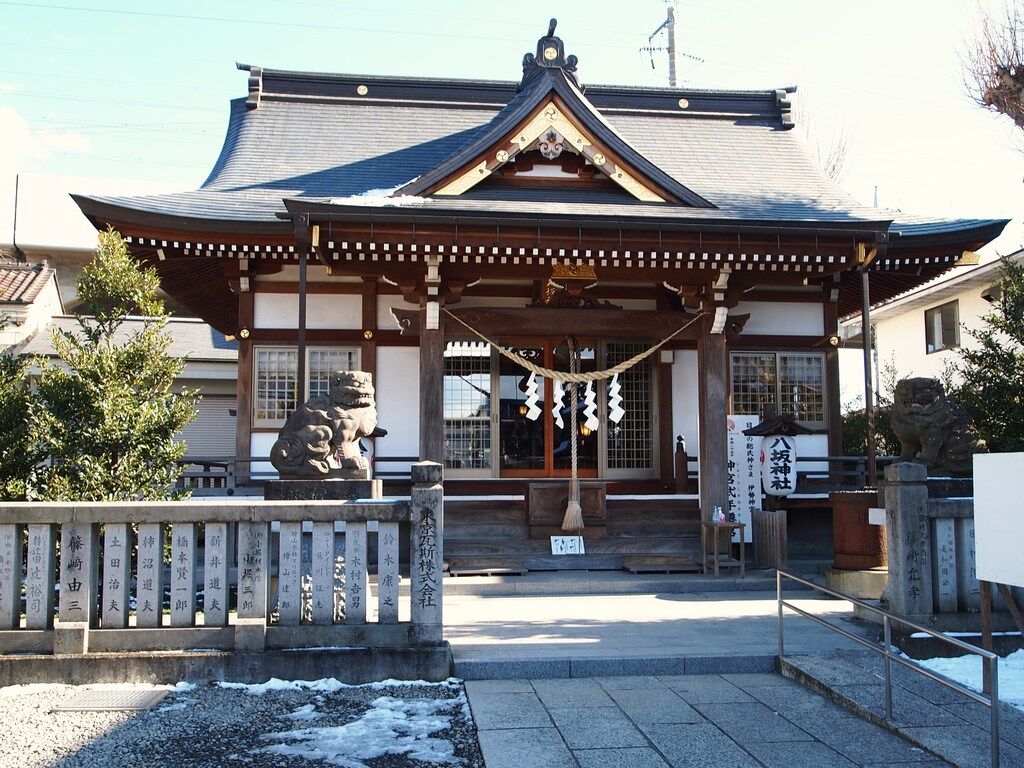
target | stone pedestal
[
  {"x": 866, "y": 584},
  {"x": 331, "y": 489}
]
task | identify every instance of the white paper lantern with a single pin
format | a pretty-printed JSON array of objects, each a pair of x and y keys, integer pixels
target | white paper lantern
[{"x": 778, "y": 465}]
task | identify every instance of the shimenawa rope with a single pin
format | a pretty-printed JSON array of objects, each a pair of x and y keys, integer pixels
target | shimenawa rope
[{"x": 575, "y": 377}]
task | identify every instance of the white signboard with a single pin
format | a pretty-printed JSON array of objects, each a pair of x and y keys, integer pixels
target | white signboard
[
  {"x": 744, "y": 473},
  {"x": 778, "y": 464},
  {"x": 998, "y": 514},
  {"x": 567, "y": 545}
]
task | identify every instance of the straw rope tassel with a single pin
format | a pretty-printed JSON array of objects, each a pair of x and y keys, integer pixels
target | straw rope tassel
[{"x": 573, "y": 520}]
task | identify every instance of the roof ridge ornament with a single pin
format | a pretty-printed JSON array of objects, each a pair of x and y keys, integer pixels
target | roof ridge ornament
[{"x": 550, "y": 55}]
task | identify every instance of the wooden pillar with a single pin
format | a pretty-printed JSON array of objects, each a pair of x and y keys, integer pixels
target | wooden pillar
[
  {"x": 243, "y": 387},
  {"x": 713, "y": 452},
  {"x": 431, "y": 390},
  {"x": 300, "y": 377},
  {"x": 368, "y": 350},
  {"x": 869, "y": 393},
  {"x": 834, "y": 415}
]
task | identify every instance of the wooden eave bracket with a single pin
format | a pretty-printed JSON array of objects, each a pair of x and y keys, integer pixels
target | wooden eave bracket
[{"x": 551, "y": 115}]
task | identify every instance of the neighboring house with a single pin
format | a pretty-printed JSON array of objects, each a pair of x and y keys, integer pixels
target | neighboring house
[
  {"x": 917, "y": 333},
  {"x": 28, "y": 298},
  {"x": 211, "y": 367},
  {"x": 58, "y": 242}
]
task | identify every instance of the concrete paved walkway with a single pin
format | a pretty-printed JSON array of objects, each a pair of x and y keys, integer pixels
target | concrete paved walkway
[
  {"x": 667, "y": 633},
  {"x": 927, "y": 713},
  {"x": 726, "y": 721}
]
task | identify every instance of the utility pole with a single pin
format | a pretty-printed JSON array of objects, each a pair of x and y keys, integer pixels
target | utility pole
[
  {"x": 670, "y": 22},
  {"x": 669, "y": 25}
]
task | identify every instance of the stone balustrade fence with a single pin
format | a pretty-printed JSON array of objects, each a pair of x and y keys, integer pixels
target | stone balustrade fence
[
  {"x": 932, "y": 557},
  {"x": 244, "y": 575}
]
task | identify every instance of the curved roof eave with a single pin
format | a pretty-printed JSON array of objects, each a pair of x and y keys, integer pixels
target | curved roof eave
[{"x": 101, "y": 212}]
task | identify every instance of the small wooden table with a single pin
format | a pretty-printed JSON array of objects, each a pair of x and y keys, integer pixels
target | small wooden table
[{"x": 715, "y": 531}]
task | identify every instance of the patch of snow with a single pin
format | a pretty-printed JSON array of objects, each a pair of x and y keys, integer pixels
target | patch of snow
[
  {"x": 29, "y": 688},
  {"x": 967, "y": 670},
  {"x": 390, "y": 727},
  {"x": 381, "y": 197},
  {"x": 176, "y": 706},
  {"x": 305, "y": 712},
  {"x": 327, "y": 685}
]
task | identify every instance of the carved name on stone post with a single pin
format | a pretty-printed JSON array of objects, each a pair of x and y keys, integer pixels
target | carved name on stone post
[{"x": 320, "y": 440}]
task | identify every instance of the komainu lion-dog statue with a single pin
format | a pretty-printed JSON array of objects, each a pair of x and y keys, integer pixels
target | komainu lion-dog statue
[
  {"x": 320, "y": 440},
  {"x": 932, "y": 429}
]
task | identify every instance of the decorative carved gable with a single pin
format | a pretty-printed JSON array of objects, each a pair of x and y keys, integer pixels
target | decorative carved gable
[{"x": 552, "y": 130}]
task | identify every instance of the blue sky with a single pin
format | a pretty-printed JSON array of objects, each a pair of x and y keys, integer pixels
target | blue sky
[{"x": 139, "y": 90}]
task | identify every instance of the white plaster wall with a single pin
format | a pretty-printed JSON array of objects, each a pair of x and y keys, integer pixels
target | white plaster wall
[
  {"x": 260, "y": 444},
  {"x": 901, "y": 340},
  {"x": 385, "y": 320},
  {"x": 398, "y": 402},
  {"x": 684, "y": 397},
  {"x": 323, "y": 310},
  {"x": 769, "y": 318}
]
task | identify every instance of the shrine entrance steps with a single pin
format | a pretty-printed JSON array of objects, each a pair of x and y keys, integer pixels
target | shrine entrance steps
[{"x": 493, "y": 536}]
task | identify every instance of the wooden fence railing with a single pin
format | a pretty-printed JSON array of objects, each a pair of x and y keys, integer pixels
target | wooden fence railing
[{"x": 272, "y": 573}]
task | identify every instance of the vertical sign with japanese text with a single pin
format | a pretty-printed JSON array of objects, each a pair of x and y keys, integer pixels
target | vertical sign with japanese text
[{"x": 744, "y": 474}]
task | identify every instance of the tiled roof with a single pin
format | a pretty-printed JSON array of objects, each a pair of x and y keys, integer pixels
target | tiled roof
[
  {"x": 733, "y": 149},
  {"x": 191, "y": 339},
  {"x": 21, "y": 283},
  {"x": 318, "y": 137}
]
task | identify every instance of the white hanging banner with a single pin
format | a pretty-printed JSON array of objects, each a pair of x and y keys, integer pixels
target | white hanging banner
[
  {"x": 533, "y": 412},
  {"x": 590, "y": 409},
  {"x": 778, "y": 464},
  {"x": 615, "y": 409},
  {"x": 557, "y": 403},
  {"x": 744, "y": 474}
]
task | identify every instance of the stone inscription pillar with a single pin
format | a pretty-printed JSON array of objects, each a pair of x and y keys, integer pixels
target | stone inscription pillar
[
  {"x": 906, "y": 513},
  {"x": 427, "y": 551}
]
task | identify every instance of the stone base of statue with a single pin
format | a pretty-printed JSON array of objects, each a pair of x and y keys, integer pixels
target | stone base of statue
[{"x": 333, "y": 489}]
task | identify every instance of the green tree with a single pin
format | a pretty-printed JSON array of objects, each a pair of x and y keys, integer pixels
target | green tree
[
  {"x": 104, "y": 416},
  {"x": 16, "y": 451},
  {"x": 855, "y": 423},
  {"x": 990, "y": 372}
]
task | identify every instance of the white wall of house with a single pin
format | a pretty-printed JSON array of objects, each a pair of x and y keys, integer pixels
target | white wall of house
[
  {"x": 27, "y": 319},
  {"x": 901, "y": 336}
]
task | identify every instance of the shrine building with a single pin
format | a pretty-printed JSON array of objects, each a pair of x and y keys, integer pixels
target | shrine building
[{"x": 406, "y": 226}]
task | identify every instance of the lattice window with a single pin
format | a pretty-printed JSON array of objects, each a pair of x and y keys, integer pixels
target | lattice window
[
  {"x": 467, "y": 405},
  {"x": 276, "y": 377},
  {"x": 767, "y": 383},
  {"x": 631, "y": 441},
  {"x": 755, "y": 384},
  {"x": 802, "y": 387},
  {"x": 323, "y": 361}
]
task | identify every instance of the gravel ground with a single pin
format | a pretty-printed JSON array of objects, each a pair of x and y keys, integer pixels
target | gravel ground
[{"x": 215, "y": 726}]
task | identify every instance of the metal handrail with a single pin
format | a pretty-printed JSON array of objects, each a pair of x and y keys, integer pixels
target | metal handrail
[{"x": 989, "y": 659}]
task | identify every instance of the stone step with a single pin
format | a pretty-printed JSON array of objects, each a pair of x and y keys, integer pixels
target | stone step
[
  {"x": 565, "y": 666},
  {"x": 661, "y": 564},
  {"x": 617, "y": 546}
]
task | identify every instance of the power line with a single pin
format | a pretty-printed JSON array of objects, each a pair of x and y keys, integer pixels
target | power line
[{"x": 278, "y": 24}]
